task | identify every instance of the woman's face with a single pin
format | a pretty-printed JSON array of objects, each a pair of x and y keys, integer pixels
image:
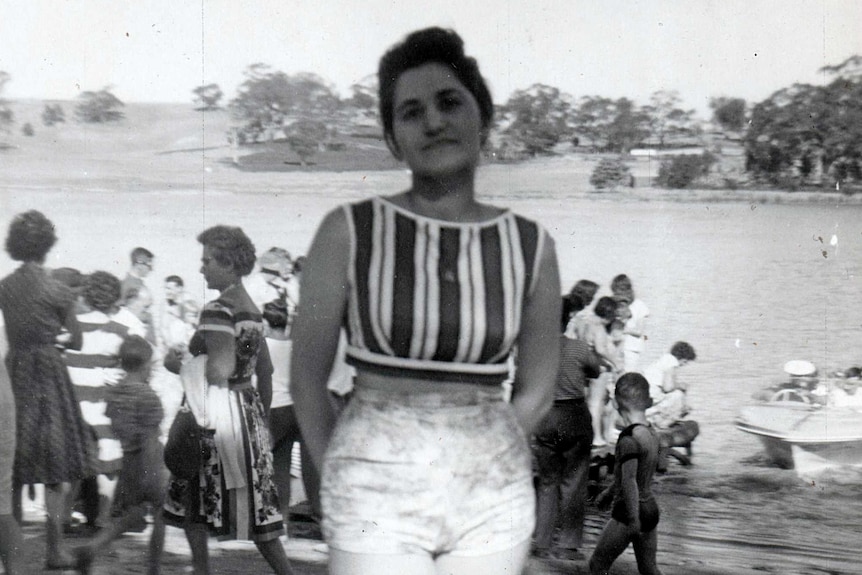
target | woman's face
[
  {"x": 436, "y": 122},
  {"x": 217, "y": 276}
]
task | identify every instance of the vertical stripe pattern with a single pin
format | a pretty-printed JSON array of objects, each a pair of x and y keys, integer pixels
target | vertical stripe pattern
[{"x": 436, "y": 293}]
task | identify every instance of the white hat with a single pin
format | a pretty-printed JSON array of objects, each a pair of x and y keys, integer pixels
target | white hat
[{"x": 799, "y": 368}]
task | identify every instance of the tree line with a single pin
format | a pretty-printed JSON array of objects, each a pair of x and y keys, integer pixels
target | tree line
[{"x": 800, "y": 135}]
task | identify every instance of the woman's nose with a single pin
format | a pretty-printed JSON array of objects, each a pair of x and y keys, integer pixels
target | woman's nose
[{"x": 434, "y": 120}]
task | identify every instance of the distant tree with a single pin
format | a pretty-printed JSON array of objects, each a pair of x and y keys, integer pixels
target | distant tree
[
  {"x": 305, "y": 137},
  {"x": 540, "y": 118},
  {"x": 267, "y": 101},
  {"x": 729, "y": 113},
  {"x": 53, "y": 114},
  {"x": 207, "y": 97},
  {"x": 679, "y": 172},
  {"x": 27, "y": 129},
  {"x": 629, "y": 127},
  {"x": 364, "y": 97},
  {"x": 6, "y": 115},
  {"x": 592, "y": 118},
  {"x": 800, "y": 129},
  {"x": 666, "y": 119},
  {"x": 610, "y": 173},
  {"x": 99, "y": 107}
]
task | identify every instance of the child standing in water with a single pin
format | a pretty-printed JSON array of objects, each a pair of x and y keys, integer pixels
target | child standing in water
[
  {"x": 635, "y": 513},
  {"x": 136, "y": 412}
]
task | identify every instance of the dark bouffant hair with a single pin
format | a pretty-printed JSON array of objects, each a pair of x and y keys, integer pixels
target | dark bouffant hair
[
  {"x": 683, "y": 350},
  {"x": 175, "y": 280},
  {"x": 230, "y": 247},
  {"x": 606, "y": 308},
  {"x": 70, "y": 277},
  {"x": 135, "y": 353},
  {"x": 586, "y": 290},
  {"x": 632, "y": 391},
  {"x": 572, "y": 304},
  {"x": 31, "y": 236},
  {"x": 102, "y": 291},
  {"x": 275, "y": 313},
  {"x": 431, "y": 45}
]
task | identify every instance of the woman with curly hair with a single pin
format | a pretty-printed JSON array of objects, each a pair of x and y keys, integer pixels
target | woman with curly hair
[
  {"x": 50, "y": 431},
  {"x": 233, "y": 495}
]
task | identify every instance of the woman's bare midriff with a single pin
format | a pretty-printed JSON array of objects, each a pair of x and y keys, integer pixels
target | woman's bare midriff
[{"x": 371, "y": 380}]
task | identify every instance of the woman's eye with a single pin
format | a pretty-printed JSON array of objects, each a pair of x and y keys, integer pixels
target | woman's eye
[
  {"x": 410, "y": 114},
  {"x": 449, "y": 103}
]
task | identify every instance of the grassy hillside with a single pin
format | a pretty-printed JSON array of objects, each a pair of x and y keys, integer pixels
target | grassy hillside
[{"x": 151, "y": 130}]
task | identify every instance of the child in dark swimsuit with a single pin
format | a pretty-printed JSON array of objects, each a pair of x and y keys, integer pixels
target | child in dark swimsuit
[{"x": 634, "y": 514}]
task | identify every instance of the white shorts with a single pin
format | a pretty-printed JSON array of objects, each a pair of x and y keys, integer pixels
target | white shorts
[{"x": 427, "y": 473}]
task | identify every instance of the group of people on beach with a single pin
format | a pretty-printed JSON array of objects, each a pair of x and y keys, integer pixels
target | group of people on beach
[{"x": 415, "y": 310}]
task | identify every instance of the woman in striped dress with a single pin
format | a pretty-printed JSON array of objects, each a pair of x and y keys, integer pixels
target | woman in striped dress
[
  {"x": 428, "y": 468},
  {"x": 50, "y": 431}
]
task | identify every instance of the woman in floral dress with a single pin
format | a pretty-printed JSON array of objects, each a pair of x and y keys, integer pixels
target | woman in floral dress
[{"x": 233, "y": 495}]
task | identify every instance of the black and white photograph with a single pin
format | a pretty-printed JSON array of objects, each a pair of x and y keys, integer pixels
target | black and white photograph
[{"x": 435, "y": 288}]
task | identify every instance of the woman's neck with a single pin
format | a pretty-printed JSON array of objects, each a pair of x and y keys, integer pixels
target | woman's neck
[{"x": 452, "y": 198}]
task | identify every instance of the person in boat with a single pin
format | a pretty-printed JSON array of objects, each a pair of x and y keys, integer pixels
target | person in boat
[
  {"x": 845, "y": 390},
  {"x": 802, "y": 380}
]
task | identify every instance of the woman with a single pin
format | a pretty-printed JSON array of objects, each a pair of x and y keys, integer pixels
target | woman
[
  {"x": 50, "y": 430},
  {"x": 562, "y": 447},
  {"x": 428, "y": 470},
  {"x": 234, "y": 496},
  {"x": 10, "y": 532}
]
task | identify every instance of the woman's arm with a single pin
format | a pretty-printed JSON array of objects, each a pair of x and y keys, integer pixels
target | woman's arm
[
  {"x": 221, "y": 357},
  {"x": 70, "y": 322},
  {"x": 538, "y": 345},
  {"x": 263, "y": 370},
  {"x": 322, "y": 303}
]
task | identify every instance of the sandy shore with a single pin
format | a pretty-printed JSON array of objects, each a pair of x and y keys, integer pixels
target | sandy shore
[{"x": 308, "y": 554}]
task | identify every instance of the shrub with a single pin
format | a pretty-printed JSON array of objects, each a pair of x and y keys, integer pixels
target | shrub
[
  {"x": 682, "y": 171},
  {"x": 610, "y": 173},
  {"x": 27, "y": 129},
  {"x": 53, "y": 114}
]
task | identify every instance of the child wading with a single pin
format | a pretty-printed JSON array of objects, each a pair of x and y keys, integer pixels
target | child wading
[
  {"x": 135, "y": 412},
  {"x": 635, "y": 513}
]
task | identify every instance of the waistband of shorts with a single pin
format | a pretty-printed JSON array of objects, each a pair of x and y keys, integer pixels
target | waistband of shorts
[{"x": 444, "y": 398}]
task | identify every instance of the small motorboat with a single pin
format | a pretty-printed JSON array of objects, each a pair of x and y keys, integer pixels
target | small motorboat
[{"x": 800, "y": 428}]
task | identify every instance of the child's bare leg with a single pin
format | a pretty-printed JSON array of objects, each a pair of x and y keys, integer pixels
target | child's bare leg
[
  {"x": 157, "y": 542},
  {"x": 646, "y": 546},
  {"x": 612, "y": 542},
  {"x": 596, "y": 402}
]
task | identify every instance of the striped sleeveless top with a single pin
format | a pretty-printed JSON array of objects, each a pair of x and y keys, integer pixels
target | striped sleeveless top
[{"x": 433, "y": 299}]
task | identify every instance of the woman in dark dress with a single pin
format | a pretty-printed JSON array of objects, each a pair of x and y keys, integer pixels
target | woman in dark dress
[{"x": 50, "y": 429}]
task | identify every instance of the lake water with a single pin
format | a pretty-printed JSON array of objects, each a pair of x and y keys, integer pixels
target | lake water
[{"x": 750, "y": 286}]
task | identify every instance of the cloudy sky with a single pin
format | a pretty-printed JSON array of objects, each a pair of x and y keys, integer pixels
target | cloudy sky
[{"x": 159, "y": 50}]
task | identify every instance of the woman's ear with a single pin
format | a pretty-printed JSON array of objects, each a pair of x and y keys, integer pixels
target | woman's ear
[{"x": 393, "y": 146}]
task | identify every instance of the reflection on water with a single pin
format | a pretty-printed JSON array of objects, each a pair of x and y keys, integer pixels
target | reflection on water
[{"x": 750, "y": 286}]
